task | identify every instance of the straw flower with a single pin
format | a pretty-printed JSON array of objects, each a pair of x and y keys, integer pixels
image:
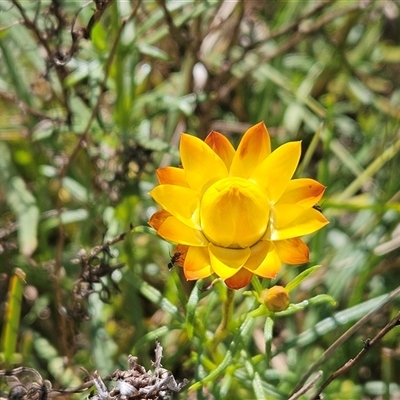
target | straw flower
[{"x": 238, "y": 213}]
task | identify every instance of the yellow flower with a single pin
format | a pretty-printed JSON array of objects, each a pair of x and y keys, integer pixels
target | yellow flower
[{"x": 236, "y": 213}]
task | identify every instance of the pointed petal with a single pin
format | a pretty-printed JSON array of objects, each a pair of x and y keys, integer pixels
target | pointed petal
[
  {"x": 273, "y": 174},
  {"x": 201, "y": 164},
  {"x": 197, "y": 263},
  {"x": 183, "y": 203},
  {"x": 172, "y": 176},
  {"x": 292, "y": 251},
  {"x": 226, "y": 262},
  {"x": 264, "y": 260},
  {"x": 222, "y": 146},
  {"x": 308, "y": 222},
  {"x": 175, "y": 231},
  {"x": 305, "y": 192},
  {"x": 258, "y": 253},
  {"x": 238, "y": 281},
  {"x": 284, "y": 214},
  {"x": 270, "y": 266},
  {"x": 158, "y": 218},
  {"x": 254, "y": 147}
]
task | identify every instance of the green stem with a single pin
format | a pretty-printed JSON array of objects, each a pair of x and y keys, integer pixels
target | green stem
[{"x": 221, "y": 331}]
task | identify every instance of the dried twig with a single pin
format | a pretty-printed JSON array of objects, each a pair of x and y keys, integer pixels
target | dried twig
[
  {"x": 84, "y": 135},
  {"x": 368, "y": 344},
  {"x": 286, "y": 45},
  {"x": 355, "y": 328},
  {"x": 79, "y": 145},
  {"x": 93, "y": 269},
  {"x": 177, "y": 34},
  {"x": 101, "y": 6},
  {"x": 295, "y": 24},
  {"x": 32, "y": 27},
  {"x": 52, "y": 55},
  {"x": 307, "y": 386},
  {"x": 27, "y": 108}
]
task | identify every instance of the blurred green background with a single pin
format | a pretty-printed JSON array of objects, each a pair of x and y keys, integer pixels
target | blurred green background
[{"x": 93, "y": 97}]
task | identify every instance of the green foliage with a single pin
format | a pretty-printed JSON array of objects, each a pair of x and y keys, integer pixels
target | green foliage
[
  {"x": 12, "y": 313},
  {"x": 92, "y": 102}
]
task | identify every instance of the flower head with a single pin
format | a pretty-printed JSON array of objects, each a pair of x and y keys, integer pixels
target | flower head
[
  {"x": 276, "y": 298},
  {"x": 236, "y": 213}
]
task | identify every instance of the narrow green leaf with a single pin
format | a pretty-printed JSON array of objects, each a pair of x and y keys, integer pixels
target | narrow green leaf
[
  {"x": 12, "y": 316},
  {"x": 76, "y": 189},
  {"x": 56, "y": 365},
  {"x": 300, "y": 278},
  {"x": 156, "y": 297},
  {"x": 99, "y": 37},
  {"x": 21, "y": 201},
  {"x": 191, "y": 308},
  {"x": 243, "y": 333},
  {"x": 268, "y": 335},
  {"x": 258, "y": 387},
  {"x": 150, "y": 337},
  {"x": 23, "y": 204},
  {"x": 294, "y": 308},
  {"x": 153, "y": 51},
  {"x": 374, "y": 167},
  {"x": 67, "y": 217},
  {"x": 15, "y": 71}
]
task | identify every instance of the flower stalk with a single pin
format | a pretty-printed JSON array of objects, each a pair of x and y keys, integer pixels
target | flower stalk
[{"x": 222, "y": 331}]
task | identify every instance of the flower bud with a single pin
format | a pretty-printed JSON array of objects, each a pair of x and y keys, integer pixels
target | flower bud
[{"x": 276, "y": 298}]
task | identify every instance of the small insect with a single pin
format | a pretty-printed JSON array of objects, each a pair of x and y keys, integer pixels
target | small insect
[
  {"x": 317, "y": 207},
  {"x": 174, "y": 258}
]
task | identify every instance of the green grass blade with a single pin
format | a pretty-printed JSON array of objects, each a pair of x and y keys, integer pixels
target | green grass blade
[{"x": 12, "y": 316}]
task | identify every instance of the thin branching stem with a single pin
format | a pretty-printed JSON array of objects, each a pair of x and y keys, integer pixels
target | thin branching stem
[
  {"x": 355, "y": 328},
  {"x": 82, "y": 143},
  {"x": 368, "y": 344}
]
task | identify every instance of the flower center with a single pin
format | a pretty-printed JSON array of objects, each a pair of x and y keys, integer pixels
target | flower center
[{"x": 234, "y": 213}]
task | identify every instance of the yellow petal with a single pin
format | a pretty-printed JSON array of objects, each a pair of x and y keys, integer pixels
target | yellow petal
[
  {"x": 234, "y": 213},
  {"x": 183, "y": 203},
  {"x": 292, "y": 251},
  {"x": 158, "y": 218},
  {"x": 284, "y": 214},
  {"x": 273, "y": 174},
  {"x": 254, "y": 147},
  {"x": 227, "y": 262},
  {"x": 270, "y": 266},
  {"x": 176, "y": 231},
  {"x": 308, "y": 222},
  {"x": 258, "y": 254},
  {"x": 264, "y": 260},
  {"x": 172, "y": 176},
  {"x": 238, "y": 281},
  {"x": 201, "y": 164},
  {"x": 197, "y": 263},
  {"x": 305, "y": 192},
  {"x": 181, "y": 250},
  {"x": 222, "y": 146}
]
